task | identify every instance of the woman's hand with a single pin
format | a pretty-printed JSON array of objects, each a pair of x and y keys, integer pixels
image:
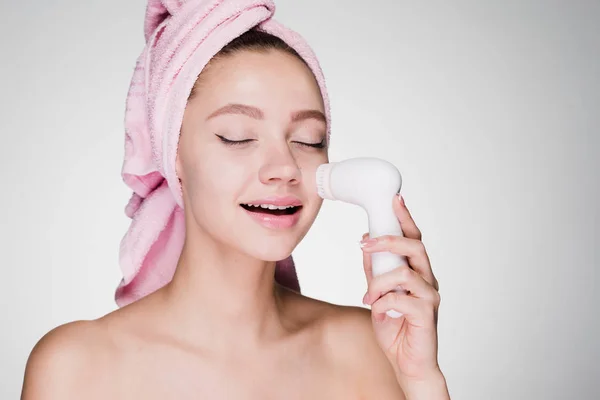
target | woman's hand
[{"x": 409, "y": 342}]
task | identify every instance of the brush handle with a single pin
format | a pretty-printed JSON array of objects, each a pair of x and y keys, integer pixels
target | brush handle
[
  {"x": 384, "y": 262},
  {"x": 383, "y": 221}
]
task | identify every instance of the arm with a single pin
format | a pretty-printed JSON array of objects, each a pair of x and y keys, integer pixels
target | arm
[{"x": 434, "y": 387}]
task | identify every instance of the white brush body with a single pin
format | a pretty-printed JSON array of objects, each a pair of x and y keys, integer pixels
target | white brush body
[{"x": 370, "y": 183}]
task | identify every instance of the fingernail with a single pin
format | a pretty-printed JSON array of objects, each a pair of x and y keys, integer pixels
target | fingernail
[
  {"x": 365, "y": 299},
  {"x": 367, "y": 242},
  {"x": 401, "y": 199}
]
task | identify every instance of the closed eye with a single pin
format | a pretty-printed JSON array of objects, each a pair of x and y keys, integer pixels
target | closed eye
[
  {"x": 319, "y": 145},
  {"x": 228, "y": 142},
  {"x": 233, "y": 142}
]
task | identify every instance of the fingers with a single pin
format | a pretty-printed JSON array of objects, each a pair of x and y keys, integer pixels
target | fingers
[
  {"x": 409, "y": 227},
  {"x": 413, "y": 232},
  {"x": 409, "y": 245},
  {"x": 420, "y": 304},
  {"x": 413, "y": 249},
  {"x": 416, "y": 311},
  {"x": 408, "y": 279}
]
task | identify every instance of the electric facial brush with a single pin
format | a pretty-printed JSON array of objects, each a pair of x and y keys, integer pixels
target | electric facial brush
[{"x": 370, "y": 183}]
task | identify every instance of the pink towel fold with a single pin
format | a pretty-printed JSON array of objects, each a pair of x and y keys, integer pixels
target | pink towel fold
[{"x": 181, "y": 38}]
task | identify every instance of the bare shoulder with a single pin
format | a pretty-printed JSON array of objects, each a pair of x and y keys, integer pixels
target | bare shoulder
[
  {"x": 350, "y": 336},
  {"x": 63, "y": 360}
]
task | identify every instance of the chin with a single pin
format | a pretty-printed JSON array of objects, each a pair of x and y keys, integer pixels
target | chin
[{"x": 273, "y": 252}]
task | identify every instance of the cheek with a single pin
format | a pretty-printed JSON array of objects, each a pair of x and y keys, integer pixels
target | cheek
[
  {"x": 212, "y": 198},
  {"x": 216, "y": 180},
  {"x": 215, "y": 186},
  {"x": 309, "y": 178}
]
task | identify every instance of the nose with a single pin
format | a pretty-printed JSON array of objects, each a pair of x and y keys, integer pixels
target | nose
[{"x": 280, "y": 167}]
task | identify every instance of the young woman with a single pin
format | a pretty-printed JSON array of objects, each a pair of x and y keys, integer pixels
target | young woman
[{"x": 224, "y": 328}]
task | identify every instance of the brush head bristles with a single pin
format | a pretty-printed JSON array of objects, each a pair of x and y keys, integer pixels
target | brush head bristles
[{"x": 322, "y": 179}]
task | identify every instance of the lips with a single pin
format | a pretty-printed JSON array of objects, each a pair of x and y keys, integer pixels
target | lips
[
  {"x": 274, "y": 219},
  {"x": 277, "y": 201},
  {"x": 274, "y": 212}
]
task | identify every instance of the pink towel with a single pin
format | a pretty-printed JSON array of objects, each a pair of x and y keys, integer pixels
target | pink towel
[{"x": 181, "y": 37}]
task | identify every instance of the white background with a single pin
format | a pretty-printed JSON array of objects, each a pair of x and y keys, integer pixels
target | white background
[{"x": 489, "y": 109}]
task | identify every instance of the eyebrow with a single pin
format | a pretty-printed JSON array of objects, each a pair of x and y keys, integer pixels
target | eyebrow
[{"x": 257, "y": 113}]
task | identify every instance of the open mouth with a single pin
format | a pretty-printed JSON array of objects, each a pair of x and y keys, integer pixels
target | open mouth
[{"x": 263, "y": 210}]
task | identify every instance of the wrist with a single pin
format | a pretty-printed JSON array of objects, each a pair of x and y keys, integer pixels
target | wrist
[{"x": 433, "y": 386}]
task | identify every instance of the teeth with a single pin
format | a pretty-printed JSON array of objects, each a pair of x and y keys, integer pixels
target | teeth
[{"x": 270, "y": 206}]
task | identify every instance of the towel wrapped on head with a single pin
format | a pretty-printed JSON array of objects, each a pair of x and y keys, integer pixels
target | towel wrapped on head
[{"x": 181, "y": 38}]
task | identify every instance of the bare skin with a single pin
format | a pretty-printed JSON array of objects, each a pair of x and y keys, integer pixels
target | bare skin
[
  {"x": 326, "y": 352},
  {"x": 222, "y": 328}
]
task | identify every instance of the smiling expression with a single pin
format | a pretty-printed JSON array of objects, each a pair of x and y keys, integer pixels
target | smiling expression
[{"x": 254, "y": 128}]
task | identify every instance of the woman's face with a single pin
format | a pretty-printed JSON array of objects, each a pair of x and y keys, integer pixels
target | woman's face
[{"x": 271, "y": 101}]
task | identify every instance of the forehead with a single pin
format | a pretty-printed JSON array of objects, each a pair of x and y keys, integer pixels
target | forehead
[{"x": 261, "y": 78}]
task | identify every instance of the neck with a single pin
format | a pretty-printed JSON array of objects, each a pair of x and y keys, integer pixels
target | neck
[{"x": 223, "y": 296}]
